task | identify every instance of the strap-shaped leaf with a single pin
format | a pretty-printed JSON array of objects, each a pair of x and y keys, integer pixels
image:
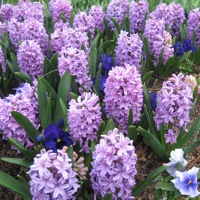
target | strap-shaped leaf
[
  {"x": 109, "y": 126},
  {"x": 92, "y": 63},
  {"x": 107, "y": 197}
]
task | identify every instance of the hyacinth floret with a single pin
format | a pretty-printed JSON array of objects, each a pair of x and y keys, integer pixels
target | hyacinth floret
[
  {"x": 52, "y": 176},
  {"x": 123, "y": 91},
  {"x": 2, "y": 61},
  {"x": 113, "y": 166},
  {"x": 193, "y": 25},
  {"x": 58, "y": 8},
  {"x": 84, "y": 118},
  {"x": 128, "y": 50},
  {"x": 6, "y": 12},
  {"x": 116, "y": 9},
  {"x": 86, "y": 22},
  {"x": 137, "y": 14},
  {"x": 74, "y": 61},
  {"x": 30, "y": 58},
  {"x": 98, "y": 14},
  {"x": 174, "y": 103},
  {"x": 3, "y": 29}
]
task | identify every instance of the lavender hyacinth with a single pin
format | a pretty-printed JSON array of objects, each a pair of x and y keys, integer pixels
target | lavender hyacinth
[
  {"x": 137, "y": 14},
  {"x": 30, "y": 58},
  {"x": 123, "y": 91},
  {"x": 128, "y": 49},
  {"x": 75, "y": 62},
  {"x": 98, "y": 15},
  {"x": 2, "y": 60},
  {"x": 6, "y": 12},
  {"x": 59, "y": 7},
  {"x": 174, "y": 103},
  {"x": 113, "y": 168},
  {"x": 193, "y": 25},
  {"x": 3, "y": 29},
  {"x": 52, "y": 176},
  {"x": 84, "y": 117},
  {"x": 116, "y": 9}
]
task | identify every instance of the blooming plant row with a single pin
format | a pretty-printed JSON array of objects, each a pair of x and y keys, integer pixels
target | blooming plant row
[{"x": 76, "y": 96}]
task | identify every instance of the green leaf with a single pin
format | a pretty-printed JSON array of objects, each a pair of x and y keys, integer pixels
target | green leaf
[
  {"x": 100, "y": 130},
  {"x": 23, "y": 181},
  {"x": 147, "y": 76},
  {"x": 109, "y": 126},
  {"x": 148, "y": 54},
  {"x": 108, "y": 31},
  {"x": 191, "y": 147},
  {"x": 132, "y": 133},
  {"x": 12, "y": 67},
  {"x": 155, "y": 144},
  {"x": 26, "y": 125},
  {"x": 63, "y": 91},
  {"x": 107, "y": 197},
  {"x": 117, "y": 26},
  {"x": 130, "y": 117},
  {"x": 107, "y": 44},
  {"x": 127, "y": 24},
  {"x": 94, "y": 42},
  {"x": 141, "y": 186},
  {"x": 24, "y": 77},
  {"x": 15, "y": 186},
  {"x": 70, "y": 151},
  {"x": 29, "y": 153},
  {"x": 64, "y": 112},
  {"x": 18, "y": 161},
  {"x": 92, "y": 63},
  {"x": 92, "y": 146},
  {"x": 73, "y": 95},
  {"x": 98, "y": 80}
]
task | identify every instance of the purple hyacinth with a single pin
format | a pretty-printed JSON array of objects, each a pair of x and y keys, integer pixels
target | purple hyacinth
[
  {"x": 193, "y": 25},
  {"x": 52, "y": 176},
  {"x": 137, "y": 14},
  {"x": 86, "y": 22},
  {"x": 2, "y": 60},
  {"x": 116, "y": 9},
  {"x": 58, "y": 8},
  {"x": 30, "y": 58},
  {"x": 98, "y": 14},
  {"x": 113, "y": 166},
  {"x": 84, "y": 118},
  {"x": 128, "y": 50},
  {"x": 187, "y": 183},
  {"x": 171, "y": 136},
  {"x": 174, "y": 103},
  {"x": 123, "y": 91},
  {"x": 6, "y": 12},
  {"x": 10, "y": 128},
  {"x": 75, "y": 62},
  {"x": 68, "y": 37},
  {"x": 3, "y": 29}
]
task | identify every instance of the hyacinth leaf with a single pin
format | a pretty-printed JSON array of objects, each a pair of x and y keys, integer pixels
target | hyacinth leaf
[
  {"x": 100, "y": 130},
  {"x": 194, "y": 104},
  {"x": 92, "y": 146},
  {"x": 107, "y": 197},
  {"x": 18, "y": 161},
  {"x": 130, "y": 117},
  {"x": 132, "y": 133},
  {"x": 107, "y": 44},
  {"x": 24, "y": 182},
  {"x": 71, "y": 18},
  {"x": 154, "y": 143},
  {"x": 14, "y": 61},
  {"x": 141, "y": 186},
  {"x": 94, "y": 42},
  {"x": 64, "y": 20},
  {"x": 147, "y": 53},
  {"x": 117, "y": 26},
  {"x": 15, "y": 186},
  {"x": 12, "y": 67},
  {"x": 98, "y": 80},
  {"x": 191, "y": 147},
  {"x": 73, "y": 95},
  {"x": 48, "y": 111},
  {"x": 147, "y": 76},
  {"x": 63, "y": 91},
  {"x": 29, "y": 153},
  {"x": 127, "y": 24},
  {"x": 26, "y": 125},
  {"x": 69, "y": 151},
  {"x": 109, "y": 126},
  {"x": 183, "y": 31},
  {"x": 24, "y": 77},
  {"x": 74, "y": 85},
  {"x": 84, "y": 189},
  {"x": 92, "y": 63},
  {"x": 64, "y": 112},
  {"x": 108, "y": 31}
]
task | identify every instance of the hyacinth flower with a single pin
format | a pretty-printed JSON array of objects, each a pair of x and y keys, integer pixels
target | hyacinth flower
[
  {"x": 107, "y": 62},
  {"x": 186, "y": 182},
  {"x": 128, "y": 50},
  {"x": 193, "y": 25},
  {"x": 52, "y": 176},
  {"x": 6, "y": 12},
  {"x": 84, "y": 118},
  {"x": 174, "y": 103},
  {"x": 55, "y": 137},
  {"x": 113, "y": 166},
  {"x": 123, "y": 91}
]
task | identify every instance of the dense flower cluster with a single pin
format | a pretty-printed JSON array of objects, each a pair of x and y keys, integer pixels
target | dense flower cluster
[
  {"x": 2, "y": 60},
  {"x": 159, "y": 40},
  {"x": 113, "y": 168},
  {"x": 128, "y": 50},
  {"x": 86, "y": 22},
  {"x": 98, "y": 15},
  {"x": 137, "y": 14},
  {"x": 68, "y": 37},
  {"x": 6, "y": 12},
  {"x": 84, "y": 118},
  {"x": 30, "y": 58},
  {"x": 3, "y": 29},
  {"x": 58, "y": 8},
  {"x": 172, "y": 15},
  {"x": 75, "y": 62},
  {"x": 123, "y": 91},
  {"x": 116, "y": 9},
  {"x": 174, "y": 103},
  {"x": 193, "y": 25},
  {"x": 20, "y": 103},
  {"x": 52, "y": 176}
]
